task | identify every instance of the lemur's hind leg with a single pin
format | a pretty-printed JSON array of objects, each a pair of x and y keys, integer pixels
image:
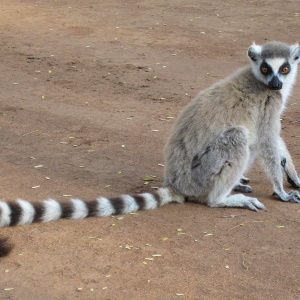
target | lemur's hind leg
[{"x": 226, "y": 160}]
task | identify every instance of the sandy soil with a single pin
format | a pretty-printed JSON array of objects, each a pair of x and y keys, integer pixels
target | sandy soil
[{"x": 83, "y": 85}]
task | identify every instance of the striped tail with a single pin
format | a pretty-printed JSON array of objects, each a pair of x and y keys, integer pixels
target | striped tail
[
  {"x": 22, "y": 212},
  {"x": 5, "y": 247}
]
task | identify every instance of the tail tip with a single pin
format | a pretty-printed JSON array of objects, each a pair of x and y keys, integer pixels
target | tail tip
[{"x": 5, "y": 247}]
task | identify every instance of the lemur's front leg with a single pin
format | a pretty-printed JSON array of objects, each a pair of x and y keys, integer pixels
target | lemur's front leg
[
  {"x": 288, "y": 166},
  {"x": 270, "y": 157}
]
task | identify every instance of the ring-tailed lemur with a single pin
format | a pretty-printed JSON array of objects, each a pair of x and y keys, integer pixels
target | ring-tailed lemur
[{"x": 213, "y": 142}]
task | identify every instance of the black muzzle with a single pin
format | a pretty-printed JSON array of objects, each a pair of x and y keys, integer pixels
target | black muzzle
[{"x": 275, "y": 83}]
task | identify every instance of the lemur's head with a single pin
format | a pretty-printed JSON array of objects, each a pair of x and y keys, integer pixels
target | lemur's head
[{"x": 274, "y": 63}]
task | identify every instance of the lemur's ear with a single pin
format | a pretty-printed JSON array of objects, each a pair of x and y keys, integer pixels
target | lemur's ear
[
  {"x": 254, "y": 52},
  {"x": 295, "y": 52}
]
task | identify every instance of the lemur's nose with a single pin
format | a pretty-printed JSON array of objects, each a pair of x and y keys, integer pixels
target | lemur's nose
[{"x": 275, "y": 83}]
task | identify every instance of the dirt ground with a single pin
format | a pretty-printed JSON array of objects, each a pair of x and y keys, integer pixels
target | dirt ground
[{"x": 89, "y": 90}]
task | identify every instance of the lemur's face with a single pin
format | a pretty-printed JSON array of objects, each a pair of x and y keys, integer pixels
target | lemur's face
[
  {"x": 274, "y": 64},
  {"x": 275, "y": 71}
]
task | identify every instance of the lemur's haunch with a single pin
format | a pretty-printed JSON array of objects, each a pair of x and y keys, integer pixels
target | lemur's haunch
[{"x": 213, "y": 142}]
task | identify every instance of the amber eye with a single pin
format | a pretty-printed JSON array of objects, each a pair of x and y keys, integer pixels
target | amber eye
[
  {"x": 264, "y": 70},
  {"x": 285, "y": 70}
]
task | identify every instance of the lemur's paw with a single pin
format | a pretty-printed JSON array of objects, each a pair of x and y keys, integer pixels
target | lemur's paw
[
  {"x": 293, "y": 196},
  {"x": 253, "y": 204},
  {"x": 243, "y": 188}
]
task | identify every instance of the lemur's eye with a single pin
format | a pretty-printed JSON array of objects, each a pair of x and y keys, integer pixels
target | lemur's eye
[
  {"x": 285, "y": 70},
  {"x": 265, "y": 69}
]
